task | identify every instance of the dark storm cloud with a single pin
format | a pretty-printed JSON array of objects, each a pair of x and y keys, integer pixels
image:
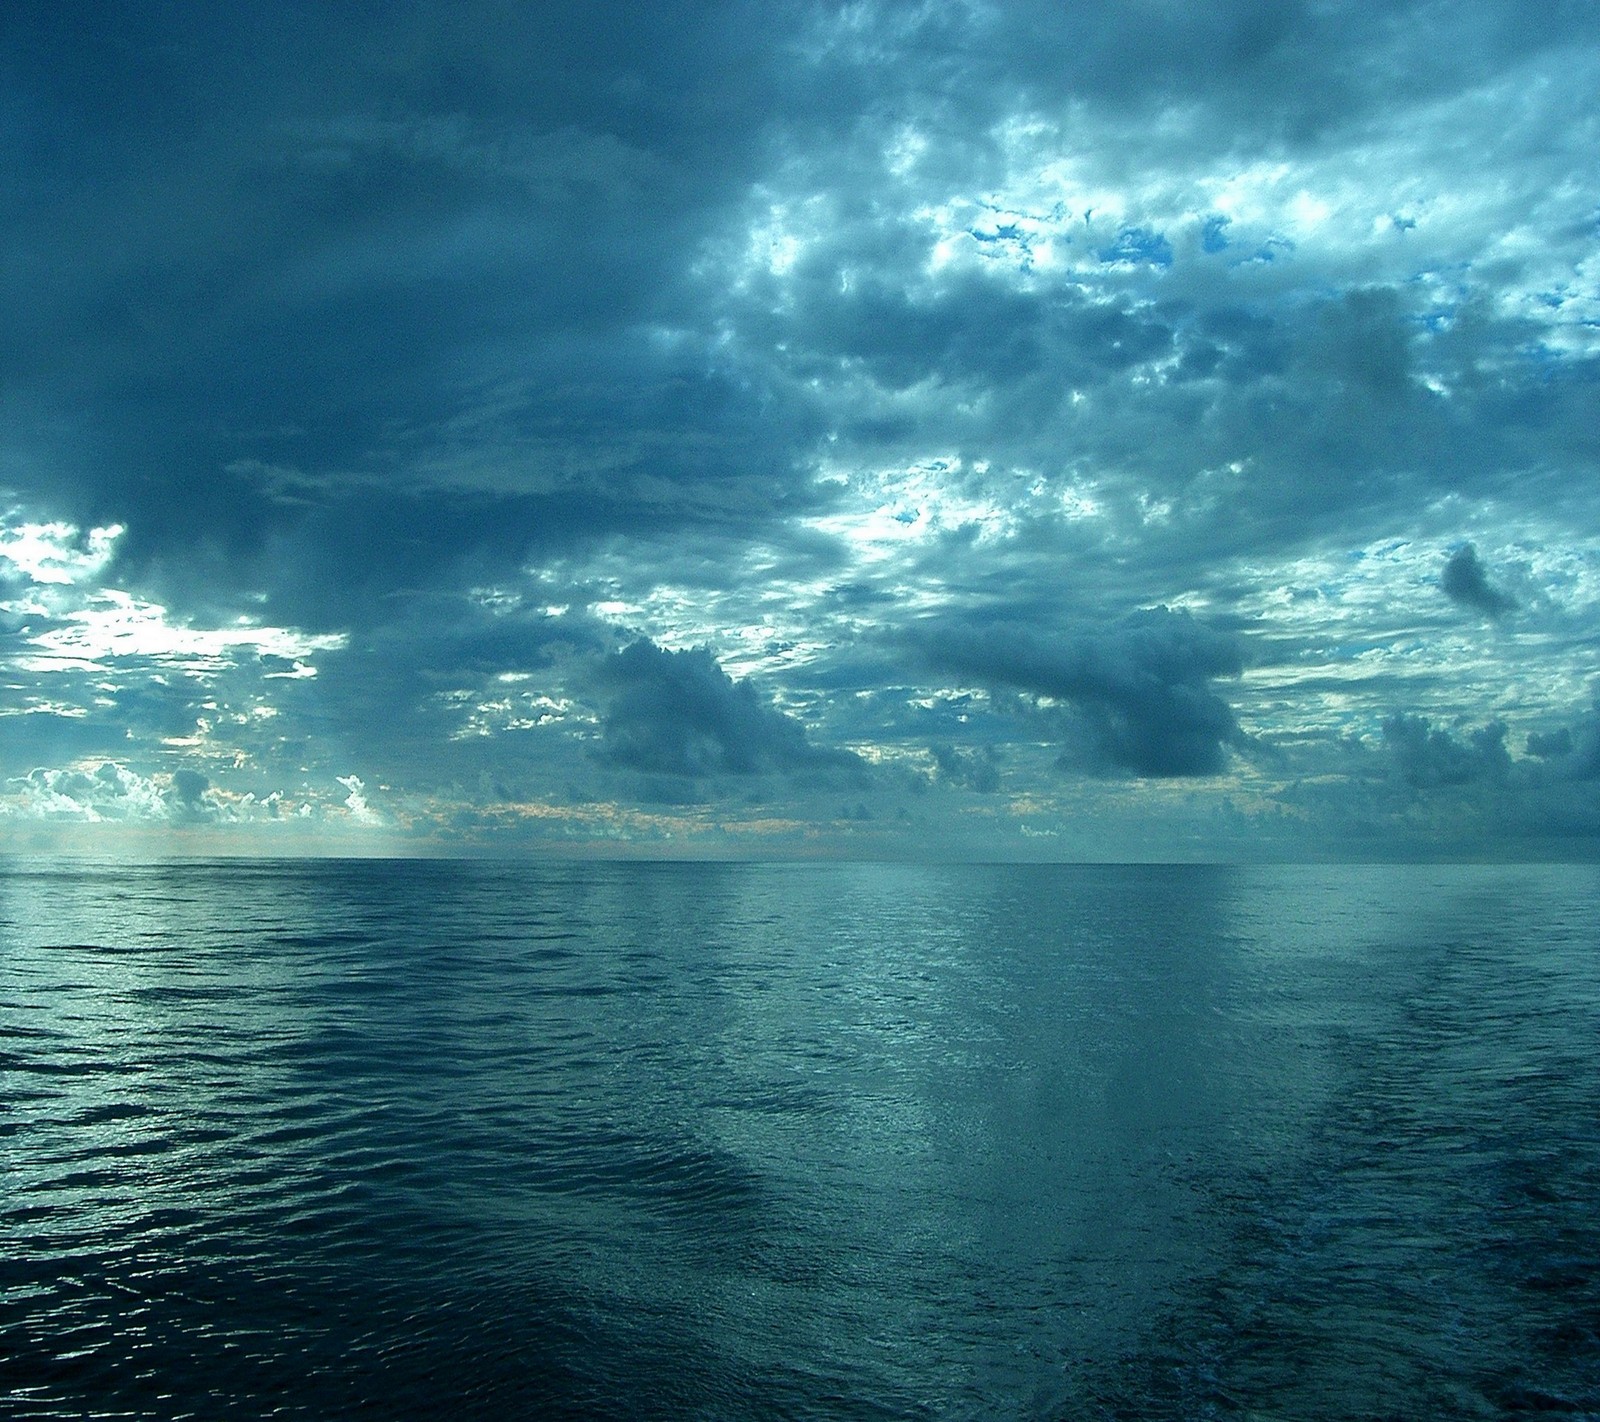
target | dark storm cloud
[
  {"x": 1465, "y": 581},
  {"x": 412, "y": 264},
  {"x": 484, "y": 351},
  {"x": 680, "y": 714},
  {"x": 418, "y": 268},
  {"x": 631, "y": 442},
  {"x": 1427, "y": 757},
  {"x": 1142, "y": 687}
]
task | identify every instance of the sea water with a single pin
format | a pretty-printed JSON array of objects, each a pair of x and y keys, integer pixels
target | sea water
[{"x": 432, "y": 1139}]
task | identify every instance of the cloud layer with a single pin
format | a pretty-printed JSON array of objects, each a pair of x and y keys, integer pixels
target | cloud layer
[{"x": 1109, "y": 429}]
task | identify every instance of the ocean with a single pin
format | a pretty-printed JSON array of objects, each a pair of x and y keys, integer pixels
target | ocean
[{"x": 403, "y": 1139}]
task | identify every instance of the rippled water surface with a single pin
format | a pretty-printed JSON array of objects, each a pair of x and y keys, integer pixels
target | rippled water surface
[{"x": 316, "y": 1140}]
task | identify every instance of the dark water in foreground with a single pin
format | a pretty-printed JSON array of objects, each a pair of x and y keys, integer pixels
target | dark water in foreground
[{"x": 443, "y": 1140}]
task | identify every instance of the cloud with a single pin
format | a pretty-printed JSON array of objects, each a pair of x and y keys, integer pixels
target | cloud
[
  {"x": 1465, "y": 581},
  {"x": 679, "y": 714},
  {"x": 977, "y": 769},
  {"x": 1140, "y": 688},
  {"x": 395, "y": 394},
  {"x": 416, "y": 316},
  {"x": 356, "y": 801},
  {"x": 1431, "y": 789},
  {"x": 1429, "y": 758},
  {"x": 111, "y": 793},
  {"x": 1550, "y": 745},
  {"x": 1570, "y": 754},
  {"x": 188, "y": 788}
]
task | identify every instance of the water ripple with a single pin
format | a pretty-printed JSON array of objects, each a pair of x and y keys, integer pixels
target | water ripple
[{"x": 419, "y": 1140}]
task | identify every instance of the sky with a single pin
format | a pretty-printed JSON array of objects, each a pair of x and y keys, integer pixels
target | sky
[{"x": 1126, "y": 429}]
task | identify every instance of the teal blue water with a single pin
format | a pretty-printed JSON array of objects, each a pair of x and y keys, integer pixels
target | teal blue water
[{"x": 400, "y": 1139}]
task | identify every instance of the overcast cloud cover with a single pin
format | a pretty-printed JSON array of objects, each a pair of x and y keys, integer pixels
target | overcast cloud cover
[{"x": 1121, "y": 429}]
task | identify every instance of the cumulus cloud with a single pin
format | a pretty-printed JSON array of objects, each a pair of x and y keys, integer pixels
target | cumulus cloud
[
  {"x": 1141, "y": 687},
  {"x": 1550, "y": 745},
  {"x": 186, "y": 797},
  {"x": 680, "y": 714},
  {"x": 977, "y": 769},
  {"x": 1570, "y": 753},
  {"x": 1427, "y": 757},
  {"x": 111, "y": 793},
  {"x": 356, "y": 801}
]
